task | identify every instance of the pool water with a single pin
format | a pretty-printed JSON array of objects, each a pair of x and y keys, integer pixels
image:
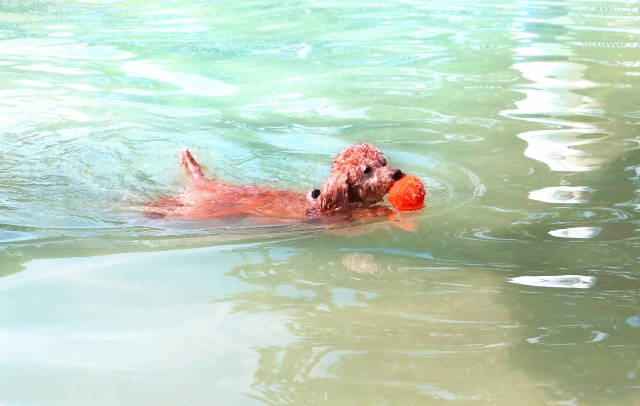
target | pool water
[{"x": 517, "y": 284}]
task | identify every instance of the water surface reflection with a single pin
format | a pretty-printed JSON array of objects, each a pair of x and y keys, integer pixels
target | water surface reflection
[{"x": 521, "y": 118}]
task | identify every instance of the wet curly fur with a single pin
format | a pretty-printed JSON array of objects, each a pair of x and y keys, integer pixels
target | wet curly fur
[
  {"x": 359, "y": 175},
  {"x": 359, "y": 178}
]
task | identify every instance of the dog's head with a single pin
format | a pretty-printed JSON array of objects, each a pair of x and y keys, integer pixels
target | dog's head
[{"x": 359, "y": 175}]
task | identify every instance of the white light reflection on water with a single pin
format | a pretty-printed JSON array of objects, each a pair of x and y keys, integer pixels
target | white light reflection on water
[
  {"x": 576, "y": 232},
  {"x": 69, "y": 49},
  {"x": 554, "y": 100},
  {"x": 62, "y": 70},
  {"x": 188, "y": 84},
  {"x": 563, "y": 194},
  {"x": 559, "y": 281},
  {"x": 551, "y": 101}
]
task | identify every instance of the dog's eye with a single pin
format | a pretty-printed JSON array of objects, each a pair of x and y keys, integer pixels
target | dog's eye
[{"x": 367, "y": 169}]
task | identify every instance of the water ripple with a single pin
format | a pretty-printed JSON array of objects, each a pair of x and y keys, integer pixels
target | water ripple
[
  {"x": 189, "y": 84},
  {"x": 98, "y": 97},
  {"x": 30, "y": 47}
]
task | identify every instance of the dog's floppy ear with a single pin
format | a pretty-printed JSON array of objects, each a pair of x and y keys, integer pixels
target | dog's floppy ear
[{"x": 335, "y": 191}]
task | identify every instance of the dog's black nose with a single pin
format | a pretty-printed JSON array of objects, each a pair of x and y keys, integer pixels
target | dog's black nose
[{"x": 397, "y": 174}]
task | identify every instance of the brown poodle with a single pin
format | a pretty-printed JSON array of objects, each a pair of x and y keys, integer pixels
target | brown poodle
[{"x": 359, "y": 178}]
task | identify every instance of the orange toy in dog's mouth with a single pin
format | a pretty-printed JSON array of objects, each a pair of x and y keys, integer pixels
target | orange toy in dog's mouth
[{"x": 407, "y": 194}]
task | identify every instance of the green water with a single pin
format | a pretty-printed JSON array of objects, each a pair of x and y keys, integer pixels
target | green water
[{"x": 522, "y": 118}]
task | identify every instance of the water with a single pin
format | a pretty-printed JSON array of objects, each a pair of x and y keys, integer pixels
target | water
[{"x": 520, "y": 117}]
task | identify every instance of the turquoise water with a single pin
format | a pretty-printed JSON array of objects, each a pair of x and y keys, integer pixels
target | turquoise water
[{"x": 521, "y": 118}]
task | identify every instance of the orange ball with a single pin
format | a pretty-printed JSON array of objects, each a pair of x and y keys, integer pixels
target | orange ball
[{"x": 407, "y": 194}]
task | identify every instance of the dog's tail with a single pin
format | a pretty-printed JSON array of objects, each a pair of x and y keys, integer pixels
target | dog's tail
[{"x": 191, "y": 166}]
